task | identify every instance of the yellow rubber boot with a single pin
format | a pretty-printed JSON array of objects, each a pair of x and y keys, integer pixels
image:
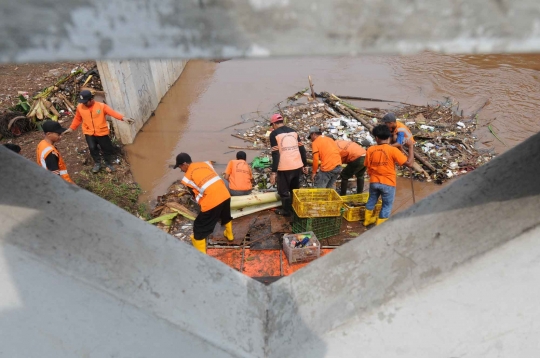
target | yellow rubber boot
[
  {"x": 228, "y": 231},
  {"x": 199, "y": 244},
  {"x": 380, "y": 221},
  {"x": 369, "y": 218}
]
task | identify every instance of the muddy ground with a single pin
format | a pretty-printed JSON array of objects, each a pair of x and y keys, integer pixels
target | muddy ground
[{"x": 118, "y": 187}]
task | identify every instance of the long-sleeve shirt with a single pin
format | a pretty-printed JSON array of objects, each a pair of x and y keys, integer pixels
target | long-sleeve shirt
[{"x": 93, "y": 118}]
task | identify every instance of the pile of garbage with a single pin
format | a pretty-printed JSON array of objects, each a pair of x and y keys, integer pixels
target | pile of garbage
[
  {"x": 56, "y": 102},
  {"x": 445, "y": 143},
  {"x": 175, "y": 211}
]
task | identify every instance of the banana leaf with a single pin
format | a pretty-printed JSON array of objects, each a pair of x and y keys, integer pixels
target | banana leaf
[{"x": 163, "y": 218}]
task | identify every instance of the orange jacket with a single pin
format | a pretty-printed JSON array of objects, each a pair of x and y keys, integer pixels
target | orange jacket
[
  {"x": 240, "y": 175},
  {"x": 328, "y": 151},
  {"x": 350, "y": 151},
  {"x": 208, "y": 188},
  {"x": 43, "y": 150},
  {"x": 93, "y": 118}
]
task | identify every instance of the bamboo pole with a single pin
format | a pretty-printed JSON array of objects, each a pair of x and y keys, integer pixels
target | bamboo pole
[
  {"x": 238, "y": 202},
  {"x": 247, "y": 148},
  {"x": 253, "y": 209}
]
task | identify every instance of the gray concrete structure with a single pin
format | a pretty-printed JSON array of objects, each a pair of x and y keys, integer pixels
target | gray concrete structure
[
  {"x": 125, "y": 29},
  {"x": 135, "y": 88},
  {"x": 453, "y": 276}
]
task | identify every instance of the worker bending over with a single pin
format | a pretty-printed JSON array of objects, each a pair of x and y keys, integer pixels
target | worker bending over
[
  {"x": 288, "y": 162},
  {"x": 95, "y": 129},
  {"x": 352, "y": 154},
  {"x": 402, "y": 136},
  {"x": 46, "y": 153},
  {"x": 327, "y": 151},
  {"x": 211, "y": 194},
  {"x": 238, "y": 176},
  {"x": 381, "y": 160}
]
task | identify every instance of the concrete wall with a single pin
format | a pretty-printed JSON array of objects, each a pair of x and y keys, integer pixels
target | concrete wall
[
  {"x": 135, "y": 29},
  {"x": 80, "y": 277},
  {"x": 135, "y": 88},
  {"x": 453, "y": 276}
]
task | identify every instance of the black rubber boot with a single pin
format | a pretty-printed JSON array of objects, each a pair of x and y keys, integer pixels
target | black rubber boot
[
  {"x": 110, "y": 167},
  {"x": 96, "y": 168},
  {"x": 286, "y": 207}
]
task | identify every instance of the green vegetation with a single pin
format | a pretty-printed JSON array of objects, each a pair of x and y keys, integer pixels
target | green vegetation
[{"x": 111, "y": 188}]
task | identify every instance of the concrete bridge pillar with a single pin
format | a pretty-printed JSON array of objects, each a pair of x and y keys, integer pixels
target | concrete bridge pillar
[{"x": 135, "y": 88}]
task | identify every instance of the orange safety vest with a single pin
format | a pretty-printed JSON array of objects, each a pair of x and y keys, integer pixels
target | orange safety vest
[
  {"x": 289, "y": 151},
  {"x": 239, "y": 175},
  {"x": 400, "y": 127},
  {"x": 93, "y": 119},
  {"x": 350, "y": 151},
  {"x": 208, "y": 188},
  {"x": 43, "y": 150}
]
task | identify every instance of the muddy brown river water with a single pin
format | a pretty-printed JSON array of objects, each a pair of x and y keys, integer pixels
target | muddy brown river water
[{"x": 211, "y": 96}]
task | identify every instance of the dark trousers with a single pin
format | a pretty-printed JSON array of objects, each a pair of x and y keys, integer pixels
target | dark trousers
[
  {"x": 205, "y": 222},
  {"x": 98, "y": 144},
  {"x": 287, "y": 180},
  {"x": 356, "y": 167}
]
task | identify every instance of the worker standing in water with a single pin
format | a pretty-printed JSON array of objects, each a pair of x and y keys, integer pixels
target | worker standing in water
[
  {"x": 95, "y": 128},
  {"x": 47, "y": 156},
  {"x": 352, "y": 154},
  {"x": 381, "y": 160},
  {"x": 211, "y": 194},
  {"x": 238, "y": 176},
  {"x": 288, "y": 160},
  {"x": 325, "y": 149}
]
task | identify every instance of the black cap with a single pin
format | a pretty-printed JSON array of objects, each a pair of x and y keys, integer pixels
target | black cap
[
  {"x": 52, "y": 127},
  {"x": 181, "y": 159},
  {"x": 85, "y": 96},
  {"x": 389, "y": 117}
]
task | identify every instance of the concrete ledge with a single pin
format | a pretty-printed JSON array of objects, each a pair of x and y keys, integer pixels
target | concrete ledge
[
  {"x": 452, "y": 276},
  {"x": 73, "y": 262},
  {"x": 442, "y": 243},
  {"x": 105, "y": 29}
]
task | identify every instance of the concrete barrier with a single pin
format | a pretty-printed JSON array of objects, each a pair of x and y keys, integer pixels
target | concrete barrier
[
  {"x": 135, "y": 88},
  {"x": 80, "y": 277},
  {"x": 115, "y": 29},
  {"x": 454, "y": 275}
]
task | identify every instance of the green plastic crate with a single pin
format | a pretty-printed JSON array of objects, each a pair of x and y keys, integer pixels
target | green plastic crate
[{"x": 322, "y": 227}]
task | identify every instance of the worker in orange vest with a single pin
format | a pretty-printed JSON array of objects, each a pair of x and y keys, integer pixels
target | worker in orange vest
[
  {"x": 46, "y": 153},
  {"x": 352, "y": 154},
  {"x": 402, "y": 137},
  {"x": 288, "y": 162},
  {"x": 238, "y": 176},
  {"x": 211, "y": 194},
  {"x": 325, "y": 149},
  {"x": 95, "y": 128},
  {"x": 401, "y": 134}
]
